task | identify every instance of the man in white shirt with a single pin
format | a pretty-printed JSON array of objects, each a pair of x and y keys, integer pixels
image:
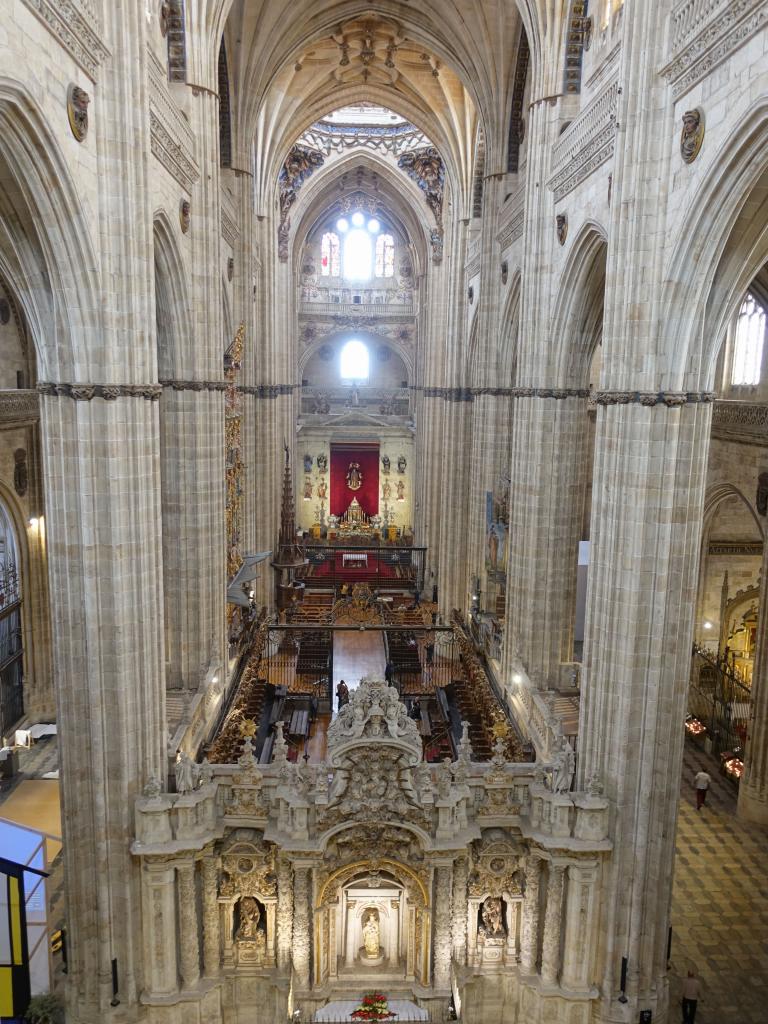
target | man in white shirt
[
  {"x": 701, "y": 781},
  {"x": 691, "y": 988}
]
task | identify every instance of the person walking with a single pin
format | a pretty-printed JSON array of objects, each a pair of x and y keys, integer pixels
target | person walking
[
  {"x": 701, "y": 781},
  {"x": 691, "y": 991}
]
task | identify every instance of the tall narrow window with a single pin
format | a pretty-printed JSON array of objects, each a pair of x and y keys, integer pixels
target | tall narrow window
[
  {"x": 355, "y": 362},
  {"x": 358, "y": 256},
  {"x": 330, "y": 265},
  {"x": 748, "y": 342},
  {"x": 385, "y": 256}
]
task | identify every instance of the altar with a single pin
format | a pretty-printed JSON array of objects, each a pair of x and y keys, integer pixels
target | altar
[{"x": 342, "y": 1009}]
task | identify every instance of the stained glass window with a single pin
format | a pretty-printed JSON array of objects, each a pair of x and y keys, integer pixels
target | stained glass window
[
  {"x": 748, "y": 342},
  {"x": 330, "y": 263},
  {"x": 385, "y": 256}
]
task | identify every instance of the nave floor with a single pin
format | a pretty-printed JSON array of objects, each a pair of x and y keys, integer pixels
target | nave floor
[{"x": 719, "y": 903}]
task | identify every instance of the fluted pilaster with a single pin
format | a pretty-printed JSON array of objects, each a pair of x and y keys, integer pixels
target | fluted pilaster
[
  {"x": 529, "y": 932},
  {"x": 189, "y": 937},
  {"x": 553, "y": 921}
]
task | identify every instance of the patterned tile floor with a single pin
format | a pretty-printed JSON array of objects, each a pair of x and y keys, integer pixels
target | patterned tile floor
[{"x": 719, "y": 903}]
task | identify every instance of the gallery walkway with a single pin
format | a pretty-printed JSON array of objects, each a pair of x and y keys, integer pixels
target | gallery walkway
[{"x": 719, "y": 903}]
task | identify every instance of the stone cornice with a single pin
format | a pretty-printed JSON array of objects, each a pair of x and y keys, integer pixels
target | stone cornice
[
  {"x": 268, "y": 390},
  {"x": 172, "y": 141},
  {"x": 109, "y": 392},
  {"x": 77, "y": 27},
  {"x": 728, "y": 24}
]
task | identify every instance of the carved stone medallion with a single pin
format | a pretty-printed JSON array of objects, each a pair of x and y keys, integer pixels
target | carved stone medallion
[
  {"x": 562, "y": 227},
  {"x": 185, "y": 213},
  {"x": 692, "y": 135},
  {"x": 77, "y": 111},
  {"x": 20, "y": 474}
]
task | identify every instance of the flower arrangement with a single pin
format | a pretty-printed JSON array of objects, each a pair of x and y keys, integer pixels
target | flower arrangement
[{"x": 373, "y": 1007}]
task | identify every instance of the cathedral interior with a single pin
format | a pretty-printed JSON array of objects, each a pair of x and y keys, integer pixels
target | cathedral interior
[{"x": 383, "y": 492}]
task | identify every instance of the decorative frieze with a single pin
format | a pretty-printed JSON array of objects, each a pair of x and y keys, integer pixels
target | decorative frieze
[
  {"x": 109, "y": 392},
  {"x": 740, "y": 421},
  {"x": 705, "y": 33},
  {"x": 18, "y": 407},
  {"x": 671, "y": 399},
  {"x": 195, "y": 385},
  {"x": 76, "y": 24},
  {"x": 724, "y": 547},
  {"x": 586, "y": 144}
]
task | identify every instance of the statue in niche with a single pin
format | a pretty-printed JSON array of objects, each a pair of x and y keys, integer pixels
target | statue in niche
[
  {"x": 307, "y": 463},
  {"x": 322, "y": 490},
  {"x": 400, "y": 490},
  {"x": 322, "y": 463},
  {"x": 371, "y": 934},
  {"x": 354, "y": 476},
  {"x": 250, "y": 916},
  {"x": 493, "y": 919},
  {"x": 385, "y": 464},
  {"x": 386, "y": 490},
  {"x": 307, "y": 487},
  {"x": 401, "y": 464}
]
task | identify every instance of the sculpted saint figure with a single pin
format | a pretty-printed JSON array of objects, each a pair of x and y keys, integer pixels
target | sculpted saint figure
[
  {"x": 492, "y": 919},
  {"x": 250, "y": 915},
  {"x": 354, "y": 476},
  {"x": 371, "y": 934}
]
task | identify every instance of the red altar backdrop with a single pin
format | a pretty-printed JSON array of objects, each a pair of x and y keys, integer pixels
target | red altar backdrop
[{"x": 367, "y": 456}]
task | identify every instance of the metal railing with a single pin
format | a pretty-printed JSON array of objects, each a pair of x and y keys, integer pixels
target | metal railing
[{"x": 720, "y": 700}]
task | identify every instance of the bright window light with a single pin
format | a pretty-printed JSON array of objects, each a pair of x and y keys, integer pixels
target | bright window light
[
  {"x": 748, "y": 344},
  {"x": 358, "y": 219},
  {"x": 355, "y": 361},
  {"x": 373, "y": 226},
  {"x": 358, "y": 256},
  {"x": 342, "y": 225}
]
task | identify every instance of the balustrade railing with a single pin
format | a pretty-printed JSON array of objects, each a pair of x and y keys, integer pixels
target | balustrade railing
[
  {"x": 383, "y": 309},
  {"x": 691, "y": 16},
  {"x": 719, "y": 702},
  {"x": 316, "y": 401}
]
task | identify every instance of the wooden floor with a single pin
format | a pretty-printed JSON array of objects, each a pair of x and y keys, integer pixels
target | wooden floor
[{"x": 356, "y": 655}]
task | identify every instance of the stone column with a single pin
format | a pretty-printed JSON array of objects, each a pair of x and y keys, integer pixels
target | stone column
[
  {"x": 753, "y": 788},
  {"x": 650, "y": 467},
  {"x": 441, "y": 968},
  {"x": 302, "y": 937},
  {"x": 159, "y": 914},
  {"x": 284, "y": 912},
  {"x": 579, "y": 926},
  {"x": 211, "y": 931},
  {"x": 189, "y": 938},
  {"x": 529, "y": 932},
  {"x": 549, "y": 469},
  {"x": 553, "y": 919},
  {"x": 459, "y": 922}
]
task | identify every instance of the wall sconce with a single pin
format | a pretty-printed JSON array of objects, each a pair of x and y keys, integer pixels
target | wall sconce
[{"x": 707, "y": 625}]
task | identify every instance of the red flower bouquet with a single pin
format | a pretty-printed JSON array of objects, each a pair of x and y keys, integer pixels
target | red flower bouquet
[{"x": 373, "y": 1007}]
